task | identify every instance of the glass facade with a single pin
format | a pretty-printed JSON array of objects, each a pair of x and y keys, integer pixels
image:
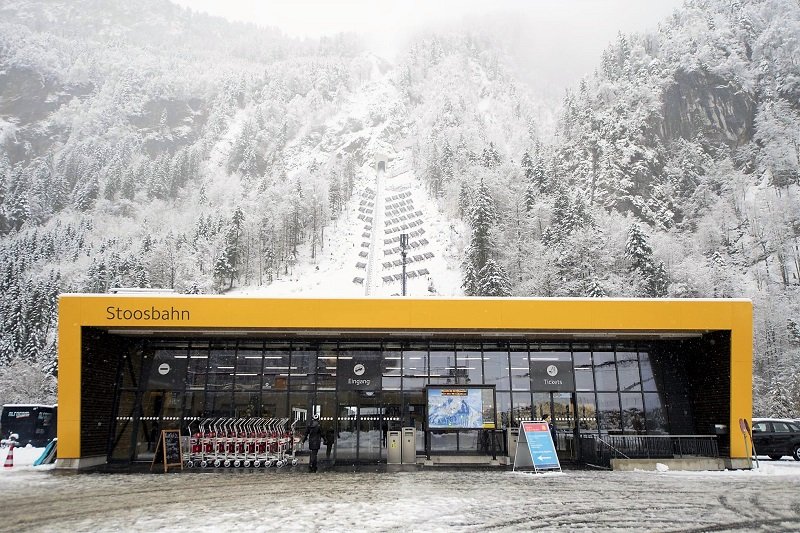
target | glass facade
[{"x": 615, "y": 388}]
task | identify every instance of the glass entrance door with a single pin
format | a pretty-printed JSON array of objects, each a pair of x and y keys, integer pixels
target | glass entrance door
[
  {"x": 562, "y": 409},
  {"x": 360, "y": 435}
]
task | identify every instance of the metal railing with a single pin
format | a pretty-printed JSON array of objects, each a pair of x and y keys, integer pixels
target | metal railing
[{"x": 598, "y": 450}]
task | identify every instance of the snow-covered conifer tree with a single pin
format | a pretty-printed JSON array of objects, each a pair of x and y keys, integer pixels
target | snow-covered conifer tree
[{"x": 493, "y": 280}]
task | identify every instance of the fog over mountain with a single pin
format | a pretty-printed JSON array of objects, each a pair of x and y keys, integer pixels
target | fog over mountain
[{"x": 146, "y": 145}]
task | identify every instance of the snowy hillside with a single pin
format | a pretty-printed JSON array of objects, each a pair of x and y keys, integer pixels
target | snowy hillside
[
  {"x": 361, "y": 254},
  {"x": 145, "y": 145}
]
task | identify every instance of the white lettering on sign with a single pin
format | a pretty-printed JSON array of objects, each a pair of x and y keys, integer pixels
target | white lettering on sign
[
  {"x": 553, "y": 382},
  {"x": 19, "y": 414},
  {"x": 352, "y": 381}
]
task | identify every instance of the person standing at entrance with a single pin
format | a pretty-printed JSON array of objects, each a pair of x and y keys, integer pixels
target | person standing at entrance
[
  {"x": 314, "y": 437},
  {"x": 546, "y": 418}
]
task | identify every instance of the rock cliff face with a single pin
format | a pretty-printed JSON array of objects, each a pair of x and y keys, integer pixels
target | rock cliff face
[
  {"x": 27, "y": 99},
  {"x": 702, "y": 103}
]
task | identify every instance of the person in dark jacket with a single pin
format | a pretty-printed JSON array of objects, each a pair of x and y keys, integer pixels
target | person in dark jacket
[
  {"x": 546, "y": 417},
  {"x": 314, "y": 437},
  {"x": 329, "y": 437}
]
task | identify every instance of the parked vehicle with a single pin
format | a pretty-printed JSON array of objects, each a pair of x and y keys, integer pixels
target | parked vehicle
[
  {"x": 776, "y": 437},
  {"x": 35, "y": 424}
]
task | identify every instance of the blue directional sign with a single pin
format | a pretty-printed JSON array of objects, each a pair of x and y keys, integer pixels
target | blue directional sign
[{"x": 536, "y": 448}]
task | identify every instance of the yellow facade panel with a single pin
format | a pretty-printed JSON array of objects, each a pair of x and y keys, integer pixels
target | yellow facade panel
[{"x": 401, "y": 313}]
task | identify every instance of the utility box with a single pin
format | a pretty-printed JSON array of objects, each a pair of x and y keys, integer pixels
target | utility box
[
  {"x": 394, "y": 455},
  {"x": 409, "y": 446},
  {"x": 512, "y": 436}
]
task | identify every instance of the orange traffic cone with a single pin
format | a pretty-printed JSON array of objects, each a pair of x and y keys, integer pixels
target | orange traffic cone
[{"x": 9, "y": 457}]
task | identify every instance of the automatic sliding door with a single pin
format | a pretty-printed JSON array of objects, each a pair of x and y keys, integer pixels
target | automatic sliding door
[
  {"x": 370, "y": 428},
  {"x": 360, "y": 436},
  {"x": 347, "y": 428}
]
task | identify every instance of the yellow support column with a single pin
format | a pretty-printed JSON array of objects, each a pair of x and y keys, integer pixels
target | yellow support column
[
  {"x": 69, "y": 380},
  {"x": 741, "y": 376}
]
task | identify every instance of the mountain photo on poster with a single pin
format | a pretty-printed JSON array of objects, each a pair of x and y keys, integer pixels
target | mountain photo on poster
[{"x": 462, "y": 410}]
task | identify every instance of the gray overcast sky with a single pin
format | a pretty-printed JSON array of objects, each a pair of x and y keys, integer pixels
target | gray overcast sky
[{"x": 562, "y": 41}]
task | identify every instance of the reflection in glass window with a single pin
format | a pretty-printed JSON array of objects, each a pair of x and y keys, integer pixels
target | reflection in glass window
[
  {"x": 413, "y": 413},
  {"x": 563, "y": 415},
  {"x": 131, "y": 368},
  {"x": 470, "y": 441},
  {"x": 648, "y": 378},
  {"x": 392, "y": 366},
  {"x": 587, "y": 413},
  {"x": 632, "y": 413},
  {"x": 249, "y": 359},
  {"x": 415, "y": 367},
  {"x": 443, "y": 365},
  {"x": 392, "y": 409},
  {"x": 541, "y": 405},
  {"x": 218, "y": 404},
  {"x": 124, "y": 425},
  {"x": 522, "y": 408},
  {"x": 584, "y": 379},
  {"x": 520, "y": 367},
  {"x": 198, "y": 363},
  {"x": 193, "y": 406},
  {"x": 222, "y": 362},
  {"x": 442, "y": 441},
  {"x": 302, "y": 375},
  {"x": 605, "y": 372},
  {"x": 504, "y": 409},
  {"x": 495, "y": 366},
  {"x": 326, "y": 366},
  {"x": 276, "y": 366},
  {"x": 628, "y": 370},
  {"x": 468, "y": 358},
  {"x": 608, "y": 412},
  {"x": 247, "y": 404},
  {"x": 273, "y": 405},
  {"x": 655, "y": 414}
]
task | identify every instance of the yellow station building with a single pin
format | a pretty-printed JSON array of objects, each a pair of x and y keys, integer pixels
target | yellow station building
[{"x": 633, "y": 372}]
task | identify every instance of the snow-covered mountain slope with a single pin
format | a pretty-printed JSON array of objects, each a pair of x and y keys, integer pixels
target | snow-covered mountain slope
[
  {"x": 137, "y": 151},
  {"x": 360, "y": 255}
]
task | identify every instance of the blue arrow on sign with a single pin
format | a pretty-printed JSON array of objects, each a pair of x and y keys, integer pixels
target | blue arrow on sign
[{"x": 540, "y": 445}]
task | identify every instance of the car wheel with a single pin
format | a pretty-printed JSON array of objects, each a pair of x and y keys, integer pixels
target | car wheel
[
  {"x": 796, "y": 452},
  {"x": 775, "y": 457}
]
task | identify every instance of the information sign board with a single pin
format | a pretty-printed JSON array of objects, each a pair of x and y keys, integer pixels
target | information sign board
[
  {"x": 535, "y": 447},
  {"x": 461, "y": 407},
  {"x": 168, "y": 450}
]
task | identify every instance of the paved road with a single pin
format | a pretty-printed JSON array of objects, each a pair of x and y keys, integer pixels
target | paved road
[{"x": 428, "y": 500}]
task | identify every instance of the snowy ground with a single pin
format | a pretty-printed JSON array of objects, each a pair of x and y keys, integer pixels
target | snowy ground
[{"x": 427, "y": 500}]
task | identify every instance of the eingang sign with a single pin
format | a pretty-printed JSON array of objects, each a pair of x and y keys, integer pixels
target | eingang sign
[{"x": 358, "y": 373}]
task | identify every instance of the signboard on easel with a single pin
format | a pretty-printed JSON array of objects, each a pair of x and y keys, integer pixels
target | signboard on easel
[
  {"x": 168, "y": 450},
  {"x": 535, "y": 447}
]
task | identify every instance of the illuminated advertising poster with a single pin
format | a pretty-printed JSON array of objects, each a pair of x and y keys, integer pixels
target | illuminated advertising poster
[{"x": 461, "y": 408}]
